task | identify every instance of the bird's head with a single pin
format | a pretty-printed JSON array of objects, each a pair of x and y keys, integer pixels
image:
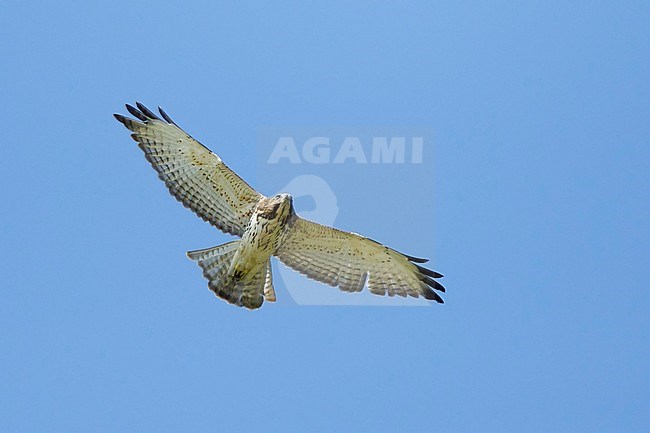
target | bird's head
[
  {"x": 284, "y": 204},
  {"x": 278, "y": 207}
]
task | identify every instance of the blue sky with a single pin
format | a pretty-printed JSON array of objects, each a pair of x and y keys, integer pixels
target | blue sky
[{"x": 532, "y": 200}]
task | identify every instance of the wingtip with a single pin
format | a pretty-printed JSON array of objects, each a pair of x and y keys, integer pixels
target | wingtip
[
  {"x": 415, "y": 259},
  {"x": 433, "y": 296},
  {"x": 165, "y": 116},
  {"x": 135, "y": 112},
  {"x": 429, "y": 272},
  {"x": 433, "y": 283},
  {"x": 147, "y": 112}
]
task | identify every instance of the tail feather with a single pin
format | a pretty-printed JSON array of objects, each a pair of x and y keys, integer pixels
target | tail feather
[
  {"x": 215, "y": 261},
  {"x": 248, "y": 292},
  {"x": 269, "y": 291}
]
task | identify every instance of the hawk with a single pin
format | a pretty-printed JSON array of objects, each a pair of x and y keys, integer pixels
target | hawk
[{"x": 240, "y": 271}]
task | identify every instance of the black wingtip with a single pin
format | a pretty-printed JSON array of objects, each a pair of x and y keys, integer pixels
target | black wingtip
[
  {"x": 166, "y": 116},
  {"x": 147, "y": 112},
  {"x": 415, "y": 259},
  {"x": 429, "y": 272},
  {"x": 136, "y": 113},
  {"x": 433, "y": 296},
  {"x": 434, "y": 284}
]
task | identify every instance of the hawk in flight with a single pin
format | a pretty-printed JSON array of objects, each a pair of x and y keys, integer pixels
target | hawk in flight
[{"x": 240, "y": 271}]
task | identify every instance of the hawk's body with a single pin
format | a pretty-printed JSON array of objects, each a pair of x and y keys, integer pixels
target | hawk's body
[
  {"x": 260, "y": 239},
  {"x": 240, "y": 271}
]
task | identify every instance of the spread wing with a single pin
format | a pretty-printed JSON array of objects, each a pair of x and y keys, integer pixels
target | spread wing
[
  {"x": 347, "y": 260},
  {"x": 192, "y": 173}
]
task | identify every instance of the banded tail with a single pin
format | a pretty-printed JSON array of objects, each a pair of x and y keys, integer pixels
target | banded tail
[{"x": 248, "y": 292}]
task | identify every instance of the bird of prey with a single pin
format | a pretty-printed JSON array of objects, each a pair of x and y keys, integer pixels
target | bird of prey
[{"x": 240, "y": 271}]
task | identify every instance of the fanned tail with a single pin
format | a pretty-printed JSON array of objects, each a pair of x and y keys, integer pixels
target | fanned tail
[{"x": 249, "y": 292}]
